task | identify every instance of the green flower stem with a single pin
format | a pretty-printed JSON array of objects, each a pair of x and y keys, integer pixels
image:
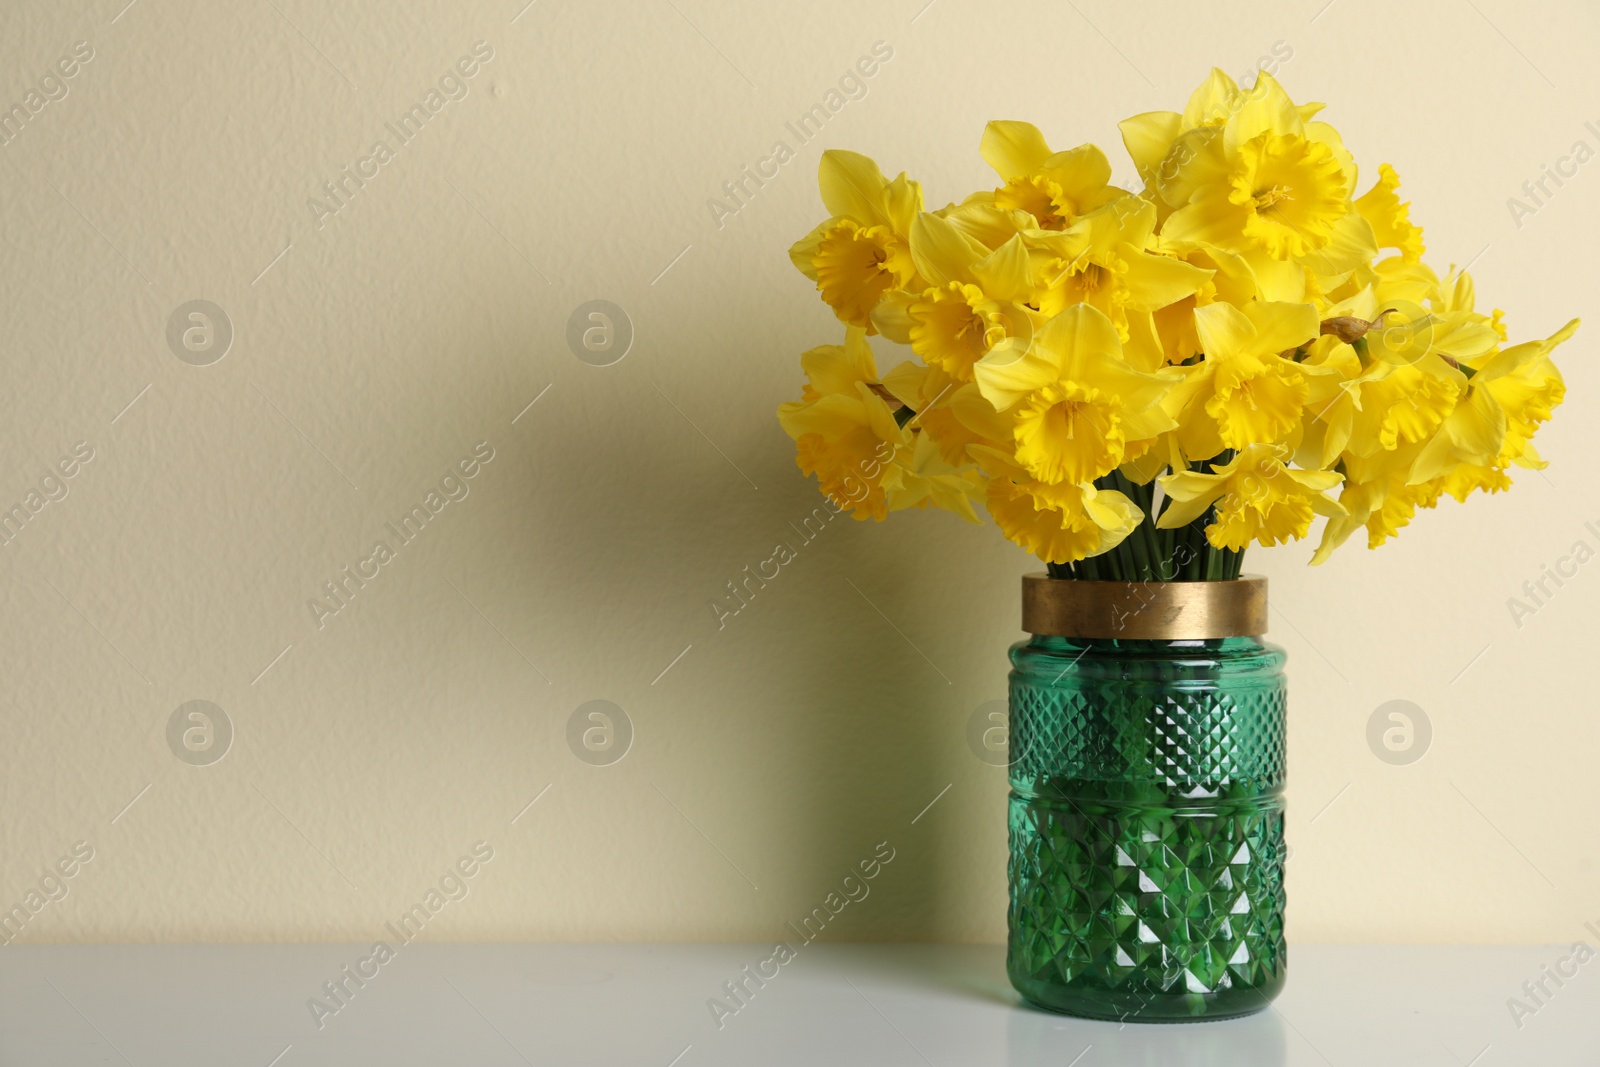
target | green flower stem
[
  {"x": 1140, "y": 553},
  {"x": 1149, "y": 554},
  {"x": 1147, "y": 530},
  {"x": 1140, "y": 545}
]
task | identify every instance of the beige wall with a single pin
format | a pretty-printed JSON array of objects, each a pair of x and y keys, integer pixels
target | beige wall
[{"x": 420, "y": 318}]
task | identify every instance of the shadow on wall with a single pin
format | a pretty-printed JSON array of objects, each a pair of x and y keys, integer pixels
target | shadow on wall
[{"x": 793, "y": 725}]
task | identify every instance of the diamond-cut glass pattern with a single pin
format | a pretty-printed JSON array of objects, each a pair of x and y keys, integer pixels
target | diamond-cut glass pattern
[{"x": 1146, "y": 827}]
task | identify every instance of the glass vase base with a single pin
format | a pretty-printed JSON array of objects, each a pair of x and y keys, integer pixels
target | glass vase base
[{"x": 1165, "y": 1008}]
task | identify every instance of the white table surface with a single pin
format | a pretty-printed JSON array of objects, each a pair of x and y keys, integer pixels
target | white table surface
[{"x": 882, "y": 1005}]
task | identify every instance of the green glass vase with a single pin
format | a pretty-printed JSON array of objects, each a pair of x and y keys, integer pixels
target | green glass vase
[{"x": 1146, "y": 827}]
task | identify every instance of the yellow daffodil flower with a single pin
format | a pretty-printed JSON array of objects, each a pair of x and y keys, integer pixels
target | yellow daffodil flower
[
  {"x": 1329, "y": 367},
  {"x": 1104, "y": 259},
  {"x": 1149, "y": 137},
  {"x": 848, "y": 435},
  {"x": 1508, "y": 396},
  {"x": 863, "y": 251},
  {"x": 1262, "y": 179},
  {"x": 951, "y": 414},
  {"x": 1402, "y": 404},
  {"x": 1456, "y": 327},
  {"x": 1467, "y": 451},
  {"x": 1231, "y": 281},
  {"x": 925, "y": 478},
  {"x": 1074, "y": 404},
  {"x": 1247, "y": 171},
  {"x": 1244, "y": 391},
  {"x": 1389, "y": 218},
  {"x": 1397, "y": 393},
  {"x": 1054, "y": 188},
  {"x": 1378, "y": 496},
  {"x": 1467, "y": 479},
  {"x": 1257, "y": 498},
  {"x": 843, "y": 429},
  {"x": 1383, "y": 506},
  {"x": 977, "y": 298},
  {"x": 1059, "y": 523}
]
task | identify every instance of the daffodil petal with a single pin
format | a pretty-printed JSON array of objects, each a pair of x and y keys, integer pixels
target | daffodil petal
[
  {"x": 1147, "y": 138},
  {"x": 1013, "y": 148},
  {"x": 942, "y": 252},
  {"x": 852, "y": 187},
  {"x": 1280, "y": 326},
  {"x": 1224, "y": 330}
]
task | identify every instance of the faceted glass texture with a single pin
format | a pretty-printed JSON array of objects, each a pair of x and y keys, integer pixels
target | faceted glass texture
[{"x": 1146, "y": 827}]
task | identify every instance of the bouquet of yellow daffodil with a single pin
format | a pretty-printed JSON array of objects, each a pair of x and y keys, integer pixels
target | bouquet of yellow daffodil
[{"x": 1137, "y": 385}]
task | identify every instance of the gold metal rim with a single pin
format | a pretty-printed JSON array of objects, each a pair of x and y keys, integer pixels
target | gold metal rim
[{"x": 1144, "y": 611}]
